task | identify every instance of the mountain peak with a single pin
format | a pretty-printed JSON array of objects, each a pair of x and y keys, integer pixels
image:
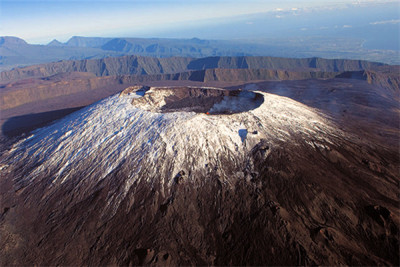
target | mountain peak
[
  {"x": 11, "y": 40},
  {"x": 55, "y": 42},
  {"x": 198, "y": 41},
  {"x": 145, "y": 174},
  {"x": 141, "y": 123},
  {"x": 80, "y": 41}
]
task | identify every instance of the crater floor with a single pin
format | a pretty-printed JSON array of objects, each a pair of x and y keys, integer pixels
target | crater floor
[{"x": 212, "y": 101}]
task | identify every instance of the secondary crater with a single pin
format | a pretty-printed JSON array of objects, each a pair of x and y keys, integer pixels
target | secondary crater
[{"x": 210, "y": 101}]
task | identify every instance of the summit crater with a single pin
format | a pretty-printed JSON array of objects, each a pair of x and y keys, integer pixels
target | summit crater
[{"x": 211, "y": 101}]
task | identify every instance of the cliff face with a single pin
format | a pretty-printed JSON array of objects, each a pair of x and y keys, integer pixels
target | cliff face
[
  {"x": 148, "y": 65},
  {"x": 386, "y": 78},
  {"x": 290, "y": 64},
  {"x": 258, "y": 74}
]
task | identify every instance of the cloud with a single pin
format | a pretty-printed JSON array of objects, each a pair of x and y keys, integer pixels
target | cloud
[
  {"x": 393, "y": 21},
  {"x": 347, "y": 26}
]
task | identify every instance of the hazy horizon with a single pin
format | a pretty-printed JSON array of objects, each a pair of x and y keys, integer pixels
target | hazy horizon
[{"x": 41, "y": 21}]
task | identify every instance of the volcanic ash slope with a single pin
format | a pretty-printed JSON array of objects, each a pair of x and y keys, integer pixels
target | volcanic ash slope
[
  {"x": 197, "y": 176},
  {"x": 157, "y": 145}
]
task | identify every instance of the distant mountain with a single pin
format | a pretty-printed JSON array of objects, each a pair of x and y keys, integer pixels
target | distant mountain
[
  {"x": 55, "y": 43},
  {"x": 15, "y": 52},
  {"x": 170, "y": 47},
  {"x": 122, "y": 45},
  {"x": 93, "y": 42},
  {"x": 10, "y": 41}
]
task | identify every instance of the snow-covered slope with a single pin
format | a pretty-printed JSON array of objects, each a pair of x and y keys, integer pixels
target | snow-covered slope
[
  {"x": 90, "y": 144},
  {"x": 103, "y": 136},
  {"x": 197, "y": 176}
]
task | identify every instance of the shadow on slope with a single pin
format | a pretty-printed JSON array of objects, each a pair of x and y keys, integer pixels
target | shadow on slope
[{"x": 12, "y": 127}]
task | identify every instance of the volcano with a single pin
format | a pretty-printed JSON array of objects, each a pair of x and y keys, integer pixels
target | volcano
[{"x": 198, "y": 176}]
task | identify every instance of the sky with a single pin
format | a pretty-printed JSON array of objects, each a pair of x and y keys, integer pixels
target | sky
[{"x": 40, "y": 21}]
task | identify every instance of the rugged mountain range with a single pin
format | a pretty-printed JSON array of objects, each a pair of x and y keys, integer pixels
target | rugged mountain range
[
  {"x": 15, "y": 52},
  {"x": 148, "y": 65},
  {"x": 203, "y": 176}
]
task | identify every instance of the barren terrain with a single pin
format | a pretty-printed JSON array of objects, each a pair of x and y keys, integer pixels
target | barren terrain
[{"x": 294, "y": 167}]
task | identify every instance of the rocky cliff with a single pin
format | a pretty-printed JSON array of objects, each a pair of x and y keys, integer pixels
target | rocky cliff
[{"x": 148, "y": 65}]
